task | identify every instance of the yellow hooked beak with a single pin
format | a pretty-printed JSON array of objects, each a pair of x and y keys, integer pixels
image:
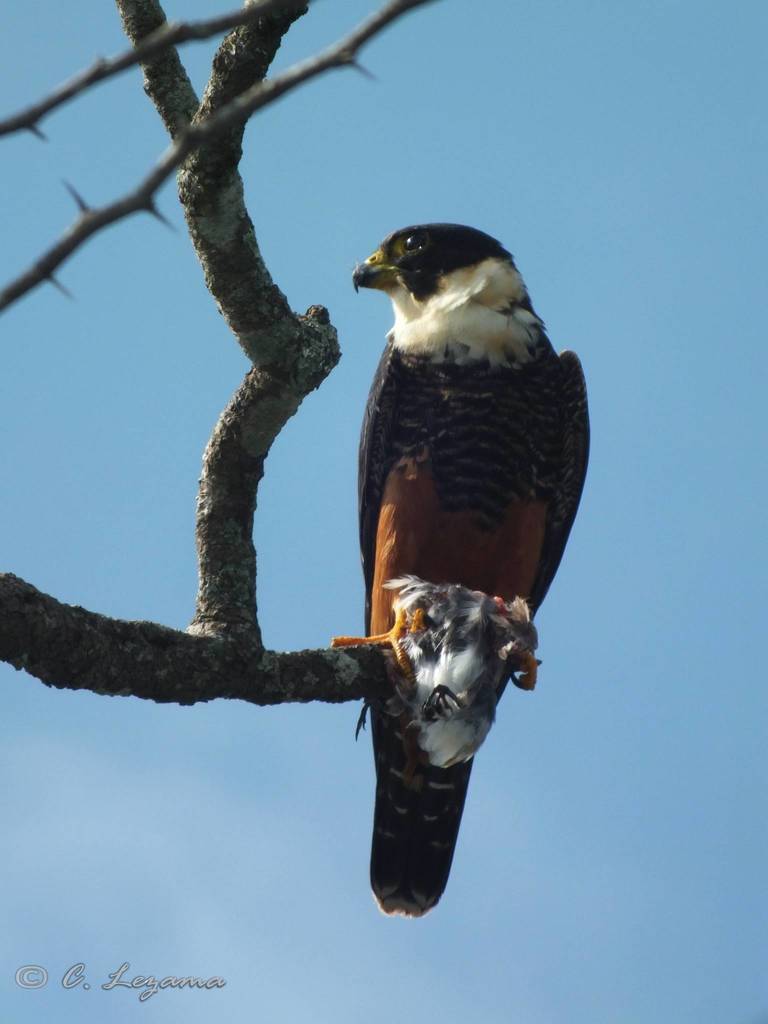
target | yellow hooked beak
[{"x": 375, "y": 272}]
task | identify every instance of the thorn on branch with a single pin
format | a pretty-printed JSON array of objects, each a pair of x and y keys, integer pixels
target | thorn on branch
[
  {"x": 37, "y": 132},
  {"x": 151, "y": 207},
  {"x": 81, "y": 203},
  {"x": 59, "y": 286},
  {"x": 354, "y": 63}
]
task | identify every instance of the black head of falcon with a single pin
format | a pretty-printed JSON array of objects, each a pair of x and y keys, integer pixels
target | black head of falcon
[
  {"x": 419, "y": 257},
  {"x": 472, "y": 461}
]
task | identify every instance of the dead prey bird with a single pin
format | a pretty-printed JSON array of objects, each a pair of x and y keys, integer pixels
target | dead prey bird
[{"x": 454, "y": 650}]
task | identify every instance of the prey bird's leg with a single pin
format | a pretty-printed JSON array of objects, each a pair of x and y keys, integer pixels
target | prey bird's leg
[
  {"x": 361, "y": 720},
  {"x": 440, "y": 700},
  {"x": 391, "y": 639}
]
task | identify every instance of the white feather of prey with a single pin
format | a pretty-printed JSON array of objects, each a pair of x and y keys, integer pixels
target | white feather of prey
[{"x": 459, "y": 651}]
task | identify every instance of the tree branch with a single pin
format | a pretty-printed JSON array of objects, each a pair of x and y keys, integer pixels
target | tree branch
[
  {"x": 211, "y": 193},
  {"x": 166, "y": 81},
  {"x": 163, "y": 35},
  {"x": 71, "y": 648},
  {"x": 233, "y": 465},
  {"x": 342, "y": 54}
]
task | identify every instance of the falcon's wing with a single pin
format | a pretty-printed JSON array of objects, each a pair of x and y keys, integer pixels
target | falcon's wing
[
  {"x": 560, "y": 516},
  {"x": 374, "y": 448}
]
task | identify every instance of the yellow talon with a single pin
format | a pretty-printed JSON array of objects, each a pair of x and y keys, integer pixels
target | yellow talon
[
  {"x": 419, "y": 621},
  {"x": 391, "y": 639},
  {"x": 403, "y": 661}
]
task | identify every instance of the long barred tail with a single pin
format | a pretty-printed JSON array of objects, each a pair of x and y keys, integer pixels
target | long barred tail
[{"x": 414, "y": 827}]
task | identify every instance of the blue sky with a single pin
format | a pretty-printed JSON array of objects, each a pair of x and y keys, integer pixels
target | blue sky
[{"x": 611, "y": 865}]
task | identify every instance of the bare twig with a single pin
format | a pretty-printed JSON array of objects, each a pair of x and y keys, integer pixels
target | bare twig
[
  {"x": 172, "y": 33},
  {"x": 342, "y": 54},
  {"x": 71, "y": 648}
]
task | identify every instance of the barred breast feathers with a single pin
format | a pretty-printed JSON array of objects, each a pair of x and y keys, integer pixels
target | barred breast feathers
[{"x": 491, "y": 434}]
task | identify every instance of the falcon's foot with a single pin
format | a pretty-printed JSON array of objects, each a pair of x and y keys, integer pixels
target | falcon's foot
[
  {"x": 391, "y": 639},
  {"x": 419, "y": 621}
]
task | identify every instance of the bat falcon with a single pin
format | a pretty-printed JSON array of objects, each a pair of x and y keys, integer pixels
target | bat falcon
[{"x": 472, "y": 461}]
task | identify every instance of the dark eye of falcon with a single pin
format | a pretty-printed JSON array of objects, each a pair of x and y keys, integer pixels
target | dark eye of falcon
[{"x": 414, "y": 243}]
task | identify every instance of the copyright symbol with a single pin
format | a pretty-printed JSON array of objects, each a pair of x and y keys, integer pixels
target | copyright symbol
[{"x": 31, "y": 976}]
